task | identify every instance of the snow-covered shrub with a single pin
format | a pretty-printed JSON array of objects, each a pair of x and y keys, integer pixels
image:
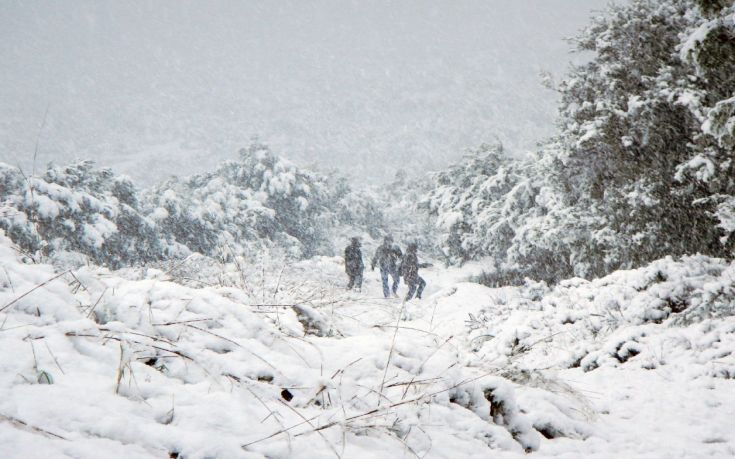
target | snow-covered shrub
[
  {"x": 508, "y": 209},
  {"x": 79, "y": 208},
  {"x": 667, "y": 312},
  {"x": 474, "y": 204},
  {"x": 494, "y": 401},
  {"x": 260, "y": 201}
]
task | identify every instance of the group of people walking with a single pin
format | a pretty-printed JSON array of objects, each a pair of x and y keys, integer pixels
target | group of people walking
[{"x": 393, "y": 264}]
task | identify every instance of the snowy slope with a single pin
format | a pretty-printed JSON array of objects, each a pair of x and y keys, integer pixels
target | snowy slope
[{"x": 146, "y": 363}]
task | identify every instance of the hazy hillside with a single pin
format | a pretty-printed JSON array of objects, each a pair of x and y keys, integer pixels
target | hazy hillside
[{"x": 154, "y": 88}]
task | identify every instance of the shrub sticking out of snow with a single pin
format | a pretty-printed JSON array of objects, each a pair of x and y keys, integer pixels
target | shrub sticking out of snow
[{"x": 646, "y": 317}]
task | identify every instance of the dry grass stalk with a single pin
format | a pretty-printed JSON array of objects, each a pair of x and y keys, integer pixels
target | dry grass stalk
[
  {"x": 91, "y": 310},
  {"x": 24, "y": 425},
  {"x": 10, "y": 282},
  {"x": 42, "y": 284},
  {"x": 390, "y": 353},
  {"x": 334, "y": 450},
  {"x": 53, "y": 357}
]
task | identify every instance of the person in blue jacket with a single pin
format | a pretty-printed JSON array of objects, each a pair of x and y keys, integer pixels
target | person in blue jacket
[{"x": 387, "y": 257}]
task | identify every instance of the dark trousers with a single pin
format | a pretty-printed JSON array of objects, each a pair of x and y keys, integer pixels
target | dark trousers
[
  {"x": 416, "y": 286},
  {"x": 355, "y": 281},
  {"x": 396, "y": 279}
]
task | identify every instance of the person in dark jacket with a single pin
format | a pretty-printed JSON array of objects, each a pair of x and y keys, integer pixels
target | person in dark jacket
[
  {"x": 353, "y": 264},
  {"x": 387, "y": 257},
  {"x": 410, "y": 272}
]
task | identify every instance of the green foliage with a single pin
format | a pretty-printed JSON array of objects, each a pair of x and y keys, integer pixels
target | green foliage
[{"x": 712, "y": 7}]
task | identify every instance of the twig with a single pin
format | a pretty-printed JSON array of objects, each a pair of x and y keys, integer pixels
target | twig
[
  {"x": 235, "y": 343},
  {"x": 165, "y": 324},
  {"x": 265, "y": 305},
  {"x": 33, "y": 290},
  {"x": 379, "y": 394},
  {"x": 91, "y": 310},
  {"x": 212, "y": 333},
  {"x": 78, "y": 281},
  {"x": 117, "y": 338},
  {"x": 12, "y": 288},
  {"x": 23, "y": 424},
  {"x": 334, "y": 450},
  {"x": 176, "y": 266},
  {"x": 119, "y": 372},
  {"x": 262, "y": 279},
  {"x": 53, "y": 357},
  {"x": 406, "y": 328},
  {"x": 284, "y": 430},
  {"x": 342, "y": 370},
  {"x": 431, "y": 322},
  {"x": 390, "y": 353},
  {"x": 421, "y": 367},
  {"x": 402, "y": 441},
  {"x": 414, "y": 381},
  {"x": 35, "y": 360},
  {"x": 278, "y": 283},
  {"x": 154, "y": 338}
]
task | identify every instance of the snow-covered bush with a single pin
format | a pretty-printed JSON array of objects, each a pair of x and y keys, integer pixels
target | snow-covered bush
[
  {"x": 468, "y": 202},
  {"x": 258, "y": 202},
  {"x": 668, "y": 312},
  {"x": 494, "y": 401},
  {"x": 510, "y": 210},
  {"x": 79, "y": 208}
]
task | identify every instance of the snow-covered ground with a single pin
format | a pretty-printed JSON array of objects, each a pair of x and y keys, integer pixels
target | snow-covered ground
[{"x": 265, "y": 359}]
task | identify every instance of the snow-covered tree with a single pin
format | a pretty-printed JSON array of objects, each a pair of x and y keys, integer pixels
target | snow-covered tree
[
  {"x": 79, "y": 208},
  {"x": 261, "y": 202},
  {"x": 643, "y": 165},
  {"x": 636, "y": 124},
  {"x": 494, "y": 206},
  {"x": 257, "y": 202}
]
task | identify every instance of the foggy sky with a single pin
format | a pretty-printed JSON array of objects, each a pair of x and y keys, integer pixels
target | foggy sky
[{"x": 153, "y": 88}]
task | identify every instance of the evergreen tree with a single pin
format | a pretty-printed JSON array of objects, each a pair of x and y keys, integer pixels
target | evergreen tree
[{"x": 642, "y": 167}]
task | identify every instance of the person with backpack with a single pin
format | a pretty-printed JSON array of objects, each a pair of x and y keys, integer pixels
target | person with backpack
[
  {"x": 410, "y": 272},
  {"x": 387, "y": 257},
  {"x": 353, "y": 264}
]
